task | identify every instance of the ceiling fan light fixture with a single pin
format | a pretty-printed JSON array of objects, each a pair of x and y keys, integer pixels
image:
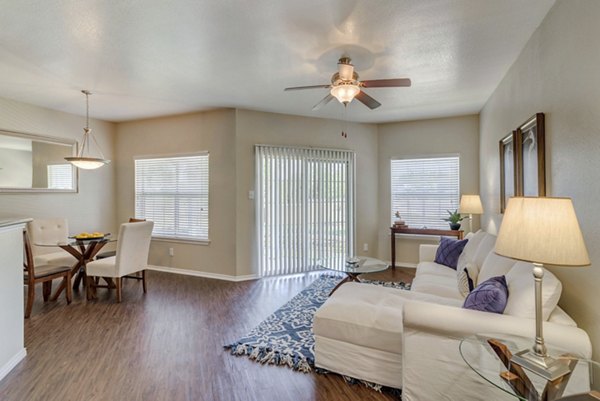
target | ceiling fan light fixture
[
  {"x": 83, "y": 159},
  {"x": 344, "y": 93}
]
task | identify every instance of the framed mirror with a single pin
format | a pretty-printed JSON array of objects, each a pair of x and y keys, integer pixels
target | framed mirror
[{"x": 36, "y": 163}]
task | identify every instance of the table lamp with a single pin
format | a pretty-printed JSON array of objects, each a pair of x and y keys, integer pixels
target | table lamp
[
  {"x": 544, "y": 231},
  {"x": 470, "y": 204}
]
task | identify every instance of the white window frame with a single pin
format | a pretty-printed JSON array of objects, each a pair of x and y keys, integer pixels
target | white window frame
[
  {"x": 454, "y": 203},
  {"x": 71, "y": 181},
  {"x": 168, "y": 238}
]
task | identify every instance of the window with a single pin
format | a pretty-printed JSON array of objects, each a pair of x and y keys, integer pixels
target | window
[
  {"x": 60, "y": 176},
  {"x": 423, "y": 189},
  {"x": 173, "y": 192},
  {"x": 305, "y": 208}
]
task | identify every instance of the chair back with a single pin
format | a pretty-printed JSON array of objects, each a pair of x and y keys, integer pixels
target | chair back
[
  {"x": 133, "y": 247},
  {"x": 47, "y": 231},
  {"x": 28, "y": 259}
]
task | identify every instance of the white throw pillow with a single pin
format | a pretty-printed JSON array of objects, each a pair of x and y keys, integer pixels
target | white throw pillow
[
  {"x": 521, "y": 292},
  {"x": 468, "y": 253},
  {"x": 494, "y": 265},
  {"x": 469, "y": 272},
  {"x": 487, "y": 245}
]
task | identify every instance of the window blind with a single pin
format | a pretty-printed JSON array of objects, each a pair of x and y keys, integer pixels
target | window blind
[
  {"x": 60, "y": 176},
  {"x": 305, "y": 208},
  {"x": 173, "y": 192},
  {"x": 423, "y": 189}
]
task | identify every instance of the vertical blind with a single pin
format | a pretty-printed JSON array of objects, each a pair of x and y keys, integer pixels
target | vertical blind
[
  {"x": 305, "y": 208},
  {"x": 60, "y": 176},
  {"x": 173, "y": 192},
  {"x": 423, "y": 189}
]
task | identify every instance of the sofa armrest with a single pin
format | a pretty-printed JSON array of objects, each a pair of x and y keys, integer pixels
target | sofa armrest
[
  {"x": 431, "y": 338},
  {"x": 427, "y": 252},
  {"x": 456, "y": 322}
]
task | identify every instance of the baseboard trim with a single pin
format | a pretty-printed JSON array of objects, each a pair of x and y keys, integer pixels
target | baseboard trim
[
  {"x": 197, "y": 273},
  {"x": 14, "y": 361}
]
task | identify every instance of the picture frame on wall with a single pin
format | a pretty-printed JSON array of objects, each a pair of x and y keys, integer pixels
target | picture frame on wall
[
  {"x": 508, "y": 169},
  {"x": 531, "y": 161}
]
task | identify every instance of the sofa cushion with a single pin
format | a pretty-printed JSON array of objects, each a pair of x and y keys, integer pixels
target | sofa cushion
[
  {"x": 494, "y": 265},
  {"x": 487, "y": 244},
  {"x": 368, "y": 315},
  {"x": 468, "y": 253},
  {"x": 467, "y": 278},
  {"x": 489, "y": 296},
  {"x": 521, "y": 285},
  {"x": 439, "y": 285},
  {"x": 449, "y": 250},
  {"x": 434, "y": 269},
  {"x": 363, "y": 314}
]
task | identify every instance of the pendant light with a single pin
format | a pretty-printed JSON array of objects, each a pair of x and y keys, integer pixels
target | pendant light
[{"x": 83, "y": 159}]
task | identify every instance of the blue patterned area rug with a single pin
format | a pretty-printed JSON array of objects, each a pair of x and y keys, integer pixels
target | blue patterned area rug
[{"x": 286, "y": 337}]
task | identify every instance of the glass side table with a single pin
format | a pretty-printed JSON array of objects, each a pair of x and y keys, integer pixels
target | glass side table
[
  {"x": 363, "y": 265},
  {"x": 480, "y": 353}
]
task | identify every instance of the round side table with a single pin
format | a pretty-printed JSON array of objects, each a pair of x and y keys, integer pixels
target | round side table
[{"x": 489, "y": 357}]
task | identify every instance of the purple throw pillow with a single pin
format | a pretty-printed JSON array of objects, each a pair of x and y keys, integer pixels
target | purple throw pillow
[
  {"x": 449, "y": 250},
  {"x": 489, "y": 296}
]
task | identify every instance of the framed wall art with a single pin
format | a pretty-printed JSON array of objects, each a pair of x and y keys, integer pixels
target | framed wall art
[
  {"x": 531, "y": 162},
  {"x": 508, "y": 169}
]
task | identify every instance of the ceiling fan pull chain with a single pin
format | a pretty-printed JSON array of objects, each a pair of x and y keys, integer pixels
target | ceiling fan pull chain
[{"x": 344, "y": 122}]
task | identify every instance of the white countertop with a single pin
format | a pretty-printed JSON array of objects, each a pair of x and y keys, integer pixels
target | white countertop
[{"x": 12, "y": 221}]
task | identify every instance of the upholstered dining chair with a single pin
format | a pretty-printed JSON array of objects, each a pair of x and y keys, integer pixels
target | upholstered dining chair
[
  {"x": 108, "y": 254},
  {"x": 132, "y": 257},
  {"x": 49, "y": 231},
  {"x": 45, "y": 274}
]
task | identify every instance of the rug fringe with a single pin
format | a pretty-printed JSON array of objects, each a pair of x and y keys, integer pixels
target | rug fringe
[{"x": 269, "y": 356}]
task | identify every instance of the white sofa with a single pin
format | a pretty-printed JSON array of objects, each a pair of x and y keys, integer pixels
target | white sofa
[{"x": 410, "y": 339}]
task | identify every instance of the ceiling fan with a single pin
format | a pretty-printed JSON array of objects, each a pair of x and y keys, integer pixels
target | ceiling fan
[{"x": 345, "y": 86}]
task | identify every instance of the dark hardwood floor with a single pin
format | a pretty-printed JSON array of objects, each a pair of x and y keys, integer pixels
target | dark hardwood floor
[{"x": 165, "y": 345}]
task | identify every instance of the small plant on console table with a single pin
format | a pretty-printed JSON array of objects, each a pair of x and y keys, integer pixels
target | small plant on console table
[{"x": 454, "y": 219}]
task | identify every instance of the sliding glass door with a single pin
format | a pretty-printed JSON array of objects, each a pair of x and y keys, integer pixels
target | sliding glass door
[{"x": 305, "y": 208}]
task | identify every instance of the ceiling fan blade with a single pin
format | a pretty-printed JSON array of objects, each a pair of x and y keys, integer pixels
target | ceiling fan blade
[
  {"x": 294, "y": 88},
  {"x": 323, "y": 102},
  {"x": 386, "y": 83},
  {"x": 367, "y": 100}
]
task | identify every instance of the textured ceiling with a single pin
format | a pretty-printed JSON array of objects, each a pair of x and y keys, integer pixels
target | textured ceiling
[{"x": 146, "y": 58}]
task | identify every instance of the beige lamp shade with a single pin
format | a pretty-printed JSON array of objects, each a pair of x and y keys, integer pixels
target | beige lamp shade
[
  {"x": 470, "y": 204},
  {"x": 542, "y": 230}
]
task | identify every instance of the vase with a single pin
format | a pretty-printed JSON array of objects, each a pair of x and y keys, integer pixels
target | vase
[{"x": 455, "y": 226}]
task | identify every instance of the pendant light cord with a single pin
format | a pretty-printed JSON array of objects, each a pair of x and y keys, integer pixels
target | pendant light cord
[{"x": 87, "y": 109}]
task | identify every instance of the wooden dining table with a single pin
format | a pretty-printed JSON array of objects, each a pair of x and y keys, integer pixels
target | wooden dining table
[{"x": 83, "y": 250}]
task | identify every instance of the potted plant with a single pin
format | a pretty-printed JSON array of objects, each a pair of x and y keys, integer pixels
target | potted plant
[{"x": 454, "y": 219}]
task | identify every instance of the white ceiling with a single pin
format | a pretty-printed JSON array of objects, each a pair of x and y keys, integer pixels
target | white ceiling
[{"x": 146, "y": 58}]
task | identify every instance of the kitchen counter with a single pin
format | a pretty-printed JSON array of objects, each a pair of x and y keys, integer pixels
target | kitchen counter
[{"x": 12, "y": 346}]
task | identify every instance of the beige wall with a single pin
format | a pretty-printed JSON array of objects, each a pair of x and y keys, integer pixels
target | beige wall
[
  {"x": 92, "y": 208},
  {"x": 278, "y": 129},
  {"x": 212, "y": 131},
  {"x": 230, "y": 136},
  {"x": 456, "y": 135},
  {"x": 557, "y": 74}
]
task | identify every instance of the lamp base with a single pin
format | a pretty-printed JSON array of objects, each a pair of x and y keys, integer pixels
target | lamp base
[{"x": 546, "y": 366}]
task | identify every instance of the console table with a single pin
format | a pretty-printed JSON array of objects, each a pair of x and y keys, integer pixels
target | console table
[{"x": 420, "y": 231}]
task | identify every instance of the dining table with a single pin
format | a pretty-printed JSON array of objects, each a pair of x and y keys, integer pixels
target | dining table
[{"x": 83, "y": 250}]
